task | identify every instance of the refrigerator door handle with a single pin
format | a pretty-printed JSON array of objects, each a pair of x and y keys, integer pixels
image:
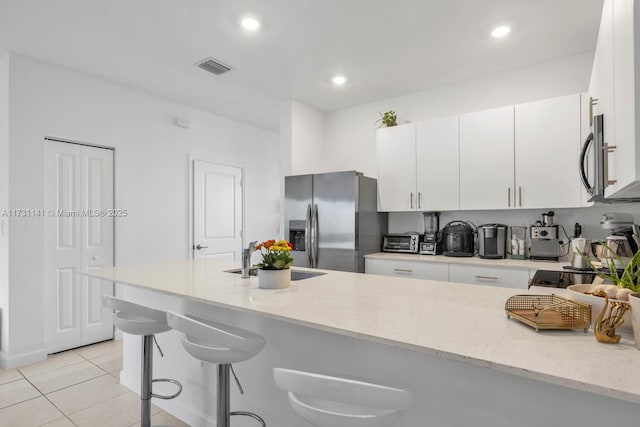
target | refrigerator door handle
[
  {"x": 308, "y": 237},
  {"x": 314, "y": 236}
]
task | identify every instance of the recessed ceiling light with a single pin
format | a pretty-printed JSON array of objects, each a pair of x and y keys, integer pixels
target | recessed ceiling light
[
  {"x": 500, "y": 31},
  {"x": 339, "y": 80},
  {"x": 251, "y": 24}
]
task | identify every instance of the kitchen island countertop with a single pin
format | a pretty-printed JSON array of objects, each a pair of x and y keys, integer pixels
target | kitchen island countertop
[{"x": 451, "y": 320}]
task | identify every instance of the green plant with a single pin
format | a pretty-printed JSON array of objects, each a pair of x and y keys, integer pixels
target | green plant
[
  {"x": 388, "y": 119},
  {"x": 630, "y": 276},
  {"x": 276, "y": 255}
]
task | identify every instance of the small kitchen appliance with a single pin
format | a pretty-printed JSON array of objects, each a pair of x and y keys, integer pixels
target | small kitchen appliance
[
  {"x": 622, "y": 225},
  {"x": 545, "y": 245},
  {"x": 432, "y": 242},
  {"x": 459, "y": 239},
  {"x": 402, "y": 242},
  {"x": 581, "y": 254},
  {"x": 492, "y": 241}
]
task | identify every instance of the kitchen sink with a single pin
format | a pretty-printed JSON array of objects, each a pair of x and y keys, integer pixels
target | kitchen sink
[{"x": 295, "y": 274}]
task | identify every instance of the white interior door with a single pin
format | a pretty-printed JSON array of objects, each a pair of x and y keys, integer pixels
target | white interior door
[
  {"x": 78, "y": 235},
  {"x": 217, "y": 211}
]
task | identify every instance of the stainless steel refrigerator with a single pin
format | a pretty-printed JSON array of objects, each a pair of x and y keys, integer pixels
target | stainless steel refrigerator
[{"x": 332, "y": 220}]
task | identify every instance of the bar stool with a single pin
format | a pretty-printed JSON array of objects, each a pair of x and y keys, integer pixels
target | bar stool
[
  {"x": 326, "y": 401},
  {"x": 222, "y": 345},
  {"x": 137, "y": 319}
]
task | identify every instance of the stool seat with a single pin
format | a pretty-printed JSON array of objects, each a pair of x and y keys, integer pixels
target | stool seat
[
  {"x": 136, "y": 319},
  {"x": 213, "y": 342},
  {"x": 327, "y": 401}
]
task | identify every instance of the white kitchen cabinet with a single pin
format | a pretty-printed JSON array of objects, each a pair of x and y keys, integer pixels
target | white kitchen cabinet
[
  {"x": 547, "y": 147},
  {"x": 418, "y": 166},
  {"x": 397, "y": 168},
  {"x": 416, "y": 270},
  {"x": 438, "y": 172},
  {"x": 486, "y": 159},
  {"x": 490, "y": 276},
  {"x": 614, "y": 87}
]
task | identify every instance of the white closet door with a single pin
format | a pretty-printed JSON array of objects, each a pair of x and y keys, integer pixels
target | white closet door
[
  {"x": 63, "y": 246},
  {"x": 78, "y": 234},
  {"x": 97, "y": 241}
]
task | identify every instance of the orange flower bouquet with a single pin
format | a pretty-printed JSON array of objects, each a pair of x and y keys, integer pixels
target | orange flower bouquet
[{"x": 276, "y": 254}]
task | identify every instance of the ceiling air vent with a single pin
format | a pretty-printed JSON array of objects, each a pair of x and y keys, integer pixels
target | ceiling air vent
[{"x": 214, "y": 66}]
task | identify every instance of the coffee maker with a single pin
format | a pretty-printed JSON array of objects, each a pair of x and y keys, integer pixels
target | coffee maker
[
  {"x": 622, "y": 225},
  {"x": 492, "y": 241},
  {"x": 432, "y": 242},
  {"x": 545, "y": 244}
]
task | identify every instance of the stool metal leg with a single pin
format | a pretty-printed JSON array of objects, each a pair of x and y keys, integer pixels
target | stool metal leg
[
  {"x": 145, "y": 389},
  {"x": 223, "y": 416},
  {"x": 223, "y": 389}
]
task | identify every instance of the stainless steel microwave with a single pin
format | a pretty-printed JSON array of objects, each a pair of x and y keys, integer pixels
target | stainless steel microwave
[{"x": 406, "y": 242}]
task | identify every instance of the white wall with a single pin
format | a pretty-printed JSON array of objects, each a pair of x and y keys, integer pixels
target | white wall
[
  {"x": 350, "y": 140},
  {"x": 151, "y": 179},
  {"x": 4, "y": 196},
  {"x": 307, "y": 139}
]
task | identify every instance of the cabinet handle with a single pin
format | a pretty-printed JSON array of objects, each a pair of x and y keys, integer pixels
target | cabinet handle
[
  {"x": 419, "y": 200},
  {"x": 508, "y": 196},
  {"x": 402, "y": 270},
  {"x": 411, "y": 200},
  {"x": 608, "y": 149},
  {"x": 486, "y": 278},
  {"x": 520, "y": 196}
]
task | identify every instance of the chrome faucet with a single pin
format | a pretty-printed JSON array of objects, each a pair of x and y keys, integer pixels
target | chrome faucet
[{"x": 246, "y": 259}]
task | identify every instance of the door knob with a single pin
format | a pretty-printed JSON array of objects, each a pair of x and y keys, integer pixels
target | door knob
[{"x": 200, "y": 247}]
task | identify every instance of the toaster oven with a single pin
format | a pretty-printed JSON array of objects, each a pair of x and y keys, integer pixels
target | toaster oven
[{"x": 407, "y": 243}]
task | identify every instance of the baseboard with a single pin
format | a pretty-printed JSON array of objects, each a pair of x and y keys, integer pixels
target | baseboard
[
  {"x": 185, "y": 413},
  {"x": 9, "y": 362}
]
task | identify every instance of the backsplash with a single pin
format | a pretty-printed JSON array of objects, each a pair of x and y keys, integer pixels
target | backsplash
[{"x": 589, "y": 218}]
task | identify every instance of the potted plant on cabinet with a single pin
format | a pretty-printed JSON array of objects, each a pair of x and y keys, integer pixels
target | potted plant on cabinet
[
  {"x": 274, "y": 272},
  {"x": 388, "y": 119}
]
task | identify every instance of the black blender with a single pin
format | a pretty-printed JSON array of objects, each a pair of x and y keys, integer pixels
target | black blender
[{"x": 432, "y": 243}]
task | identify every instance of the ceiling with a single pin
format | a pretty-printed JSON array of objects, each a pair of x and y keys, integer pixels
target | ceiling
[{"x": 384, "y": 48}]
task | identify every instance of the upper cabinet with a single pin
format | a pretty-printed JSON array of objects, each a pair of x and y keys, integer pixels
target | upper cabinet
[
  {"x": 397, "y": 168},
  {"x": 523, "y": 156},
  {"x": 614, "y": 88},
  {"x": 486, "y": 159},
  {"x": 437, "y": 152},
  {"x": 418, "y": 166},
  {"x": 547, "y": 147}
]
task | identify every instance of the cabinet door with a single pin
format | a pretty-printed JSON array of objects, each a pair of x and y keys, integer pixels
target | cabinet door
[
  {"x": 438, "y": 168},
  {"x": 409, "y": 269},
  {"x": 397, "y": 168},
  {"x": 547, "y": 139},
  {"x": 486, "y": 159},
  {"x": 490, "y": 276},
  {"x": 601, "y": 85},
  {"x": 622, "y": 159}
]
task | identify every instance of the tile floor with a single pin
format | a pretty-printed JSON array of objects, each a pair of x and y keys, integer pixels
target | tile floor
[{"x": 78, "y": 387}]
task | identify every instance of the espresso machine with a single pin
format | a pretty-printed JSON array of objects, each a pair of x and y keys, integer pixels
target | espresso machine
[
  {"x": 545, "y": 244},
  {"x": 624, "y": 232},
  {"x": 432, "y": 242}
]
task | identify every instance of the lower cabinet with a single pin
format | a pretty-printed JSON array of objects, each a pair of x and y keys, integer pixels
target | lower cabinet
[
  {"x": 416, "y": 270},
  {"x": 517, "y": 278},
  {"x": 490, "y": 276}
]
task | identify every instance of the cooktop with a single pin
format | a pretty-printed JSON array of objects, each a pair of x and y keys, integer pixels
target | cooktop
[{"x": 560, "y": 279}]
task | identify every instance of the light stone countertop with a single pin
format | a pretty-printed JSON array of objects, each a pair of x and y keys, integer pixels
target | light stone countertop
[
  {"x": 476, "y": 260},
  {"x": 457, "y": 321}
]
